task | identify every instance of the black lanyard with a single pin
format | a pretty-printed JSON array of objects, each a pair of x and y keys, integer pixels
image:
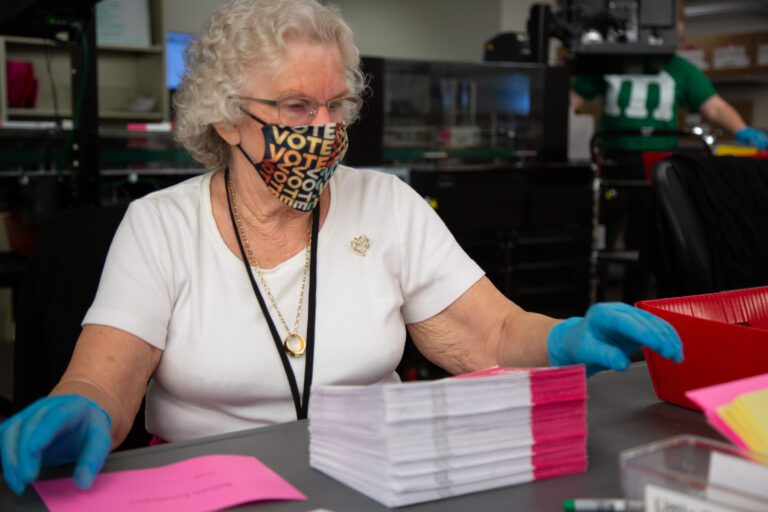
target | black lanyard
[{"x": 301, "y": 406}]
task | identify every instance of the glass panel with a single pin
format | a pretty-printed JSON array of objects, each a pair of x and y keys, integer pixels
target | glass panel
[{"x": 468, "y": 111}]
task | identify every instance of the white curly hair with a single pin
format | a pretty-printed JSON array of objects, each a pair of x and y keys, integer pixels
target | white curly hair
[{"x": 241, "y": 33}]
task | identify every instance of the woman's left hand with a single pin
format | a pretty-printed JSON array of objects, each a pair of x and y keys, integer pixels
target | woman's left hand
[{"x": 610, "y": 333}]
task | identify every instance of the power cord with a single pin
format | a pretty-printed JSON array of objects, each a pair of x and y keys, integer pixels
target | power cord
[
  {"x": 52, "y": 80},
  {"x": 72, "y": 25}
]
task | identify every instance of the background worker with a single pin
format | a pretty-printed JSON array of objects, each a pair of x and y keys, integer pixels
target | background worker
[{"x": 641, "y": 101}]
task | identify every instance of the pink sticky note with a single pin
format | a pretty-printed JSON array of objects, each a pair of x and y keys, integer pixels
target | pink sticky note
[
  {"x": 210, "y": 482},
  {"x": 712, "y": 397}
]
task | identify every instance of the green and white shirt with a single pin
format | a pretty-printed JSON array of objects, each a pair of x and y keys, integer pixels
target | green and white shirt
[{"x": 646, "y": 101}]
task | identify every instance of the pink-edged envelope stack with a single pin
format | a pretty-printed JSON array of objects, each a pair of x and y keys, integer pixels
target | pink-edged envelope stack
[{"x": 420, "y": 441}]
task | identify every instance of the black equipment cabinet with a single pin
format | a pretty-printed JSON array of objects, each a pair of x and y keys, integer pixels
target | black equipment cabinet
[{"x": 529, "y": 227}]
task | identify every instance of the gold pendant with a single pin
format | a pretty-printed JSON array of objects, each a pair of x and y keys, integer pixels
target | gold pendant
[
  {"x": 360, "y": 244},
  {"x": 295, "y": 348}
]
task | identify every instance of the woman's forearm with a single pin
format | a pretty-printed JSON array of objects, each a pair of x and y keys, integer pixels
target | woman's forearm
[
  {"x": 524, "y": 339},
  {"x": 112, "y": 368},
  {"x": 720, "y": 112},
  {"x": 122, "y": 418}
]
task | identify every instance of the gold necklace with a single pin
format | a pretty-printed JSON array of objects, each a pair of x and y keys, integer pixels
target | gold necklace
[{"x": 294, "y": 343}]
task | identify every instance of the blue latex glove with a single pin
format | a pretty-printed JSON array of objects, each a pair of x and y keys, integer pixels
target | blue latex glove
[
  {"x": 55, "y": 430},
  {"x": 752, "y": 137},
  {"x": 608, "y": 335}
]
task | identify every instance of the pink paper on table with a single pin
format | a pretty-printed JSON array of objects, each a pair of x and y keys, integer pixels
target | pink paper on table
[
  {"x": 712, "y": 397},
  {"x": 210, "y": 482}
]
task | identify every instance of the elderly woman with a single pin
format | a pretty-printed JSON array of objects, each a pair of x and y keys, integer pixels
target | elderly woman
[{"x": 233, "y": 292}]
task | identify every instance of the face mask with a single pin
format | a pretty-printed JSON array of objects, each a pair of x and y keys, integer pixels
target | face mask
[{"x": 299, "y": 160}]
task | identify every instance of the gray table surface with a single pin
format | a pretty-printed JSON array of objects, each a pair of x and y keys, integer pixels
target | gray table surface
[{"x": 623, "y": 413}]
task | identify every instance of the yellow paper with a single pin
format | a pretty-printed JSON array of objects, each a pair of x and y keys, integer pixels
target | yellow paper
[
  {"x": 747, "y": 415},
  {"x": 754, "y": 405},
  {"x": 730, "y": 150}
]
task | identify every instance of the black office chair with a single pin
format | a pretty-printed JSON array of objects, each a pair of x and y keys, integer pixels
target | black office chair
[
  {"x": 711, "y": 224},
  {"x": 59, "y": 286}
]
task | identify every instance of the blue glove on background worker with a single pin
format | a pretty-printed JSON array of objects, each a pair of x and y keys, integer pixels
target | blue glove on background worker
[
  {"x": 55, "y": 430},
  {"x": 608, "y": 335},
  {"x": 752, "y": 137}
]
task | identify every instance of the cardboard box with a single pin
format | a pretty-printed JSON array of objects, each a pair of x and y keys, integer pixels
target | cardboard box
[
  {"x": 725, "y": 337},
  {"x": 761, "y": 52}
]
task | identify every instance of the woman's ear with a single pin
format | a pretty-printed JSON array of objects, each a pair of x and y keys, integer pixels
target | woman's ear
[{"x": 228, "y": 132}]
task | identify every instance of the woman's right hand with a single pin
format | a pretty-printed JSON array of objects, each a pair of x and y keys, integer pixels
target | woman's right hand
[{"x": 55, "y": 430}]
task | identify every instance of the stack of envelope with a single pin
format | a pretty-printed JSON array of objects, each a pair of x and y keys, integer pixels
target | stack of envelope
[{"x": 420, "y": 441}]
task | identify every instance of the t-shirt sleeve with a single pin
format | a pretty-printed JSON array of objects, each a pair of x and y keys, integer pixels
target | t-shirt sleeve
[
  {"x": 698, "y": 86},
  {"x": 588, "y": 87},
  {"x": 435, "y": 269},
  {"x": 135, "y": 291}
]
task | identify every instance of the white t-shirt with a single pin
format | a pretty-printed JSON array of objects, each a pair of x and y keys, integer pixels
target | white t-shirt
[{"x": 171, "y": 280}]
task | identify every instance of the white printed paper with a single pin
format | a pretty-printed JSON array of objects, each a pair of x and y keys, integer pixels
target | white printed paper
[
  {"x": 661, "y": 499},
  {"x": 123, "y": 23},
  {"x": 737, "y": 481}
]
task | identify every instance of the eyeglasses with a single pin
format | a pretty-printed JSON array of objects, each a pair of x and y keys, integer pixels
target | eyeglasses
[{"x": 297, "y": 110}]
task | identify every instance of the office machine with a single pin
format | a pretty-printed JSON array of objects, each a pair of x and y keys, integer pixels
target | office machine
[{"x": 601, "y": 36}]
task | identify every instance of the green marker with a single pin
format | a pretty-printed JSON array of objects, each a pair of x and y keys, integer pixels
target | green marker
[{"x": 601, "y": 505}]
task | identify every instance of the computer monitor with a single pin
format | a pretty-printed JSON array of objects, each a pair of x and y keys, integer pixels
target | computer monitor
[{"x": 175, "y": 46}]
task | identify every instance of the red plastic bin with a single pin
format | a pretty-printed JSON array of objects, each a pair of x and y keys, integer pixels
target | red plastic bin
[{"x": 725, "y": 337}]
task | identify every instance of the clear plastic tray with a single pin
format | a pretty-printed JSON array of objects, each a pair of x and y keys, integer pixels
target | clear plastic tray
[{"x": 689, "y": 470}]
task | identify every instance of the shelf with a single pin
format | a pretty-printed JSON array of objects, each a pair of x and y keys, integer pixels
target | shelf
[
  {"x": 131, "y": 116},
  {"x": 32, "y": 41},
  {"x": 62, "y": 45},
  {"x": 618, "y": 256},
  {"x": 757, "y": 79},
  {"x": 131, "y": 49},
  {"x": 722, "y": 7},
  {"x": 48, "y": 128},
  {"x": 47, "y": 113},
  {"x": 154, "y": 172},
  {"x": 125, "y": 72},
  {"x": 109, "y": 172}
]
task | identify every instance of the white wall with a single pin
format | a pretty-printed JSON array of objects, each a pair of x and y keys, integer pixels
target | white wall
[
  {"x": 514, "y": 14},
  {"x": 422, "y": 29},
  {"x": 453, "y": 30},
  {"x": 187, "y": 15}
]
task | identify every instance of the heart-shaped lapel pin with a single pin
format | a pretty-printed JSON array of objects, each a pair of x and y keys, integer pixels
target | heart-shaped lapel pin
[{"x": 360, "y": 244}]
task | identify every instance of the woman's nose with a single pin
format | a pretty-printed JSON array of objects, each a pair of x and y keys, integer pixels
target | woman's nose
[{"x": 322, "y": 116}]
